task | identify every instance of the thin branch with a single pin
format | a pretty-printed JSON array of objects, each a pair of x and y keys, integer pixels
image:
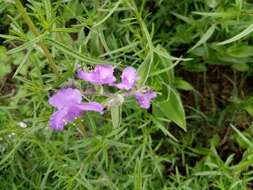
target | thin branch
[{"x": 34, "y": 30}]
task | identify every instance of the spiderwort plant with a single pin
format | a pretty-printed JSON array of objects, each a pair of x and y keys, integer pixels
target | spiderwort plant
[
  {"x": 69, "y": 107},
  {"x": 102, "y": 74},
  {"x": 128, "y": 79},
  {"x": 68, "y": 101},
  {"x": 145, "y": 97}
]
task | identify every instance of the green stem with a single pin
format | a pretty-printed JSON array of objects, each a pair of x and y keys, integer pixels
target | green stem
[
  {"x": 34, "y": 30},
  {"x": 81, "y": 127}
]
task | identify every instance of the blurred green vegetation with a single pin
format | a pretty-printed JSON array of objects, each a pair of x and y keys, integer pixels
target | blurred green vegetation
[{"x": 197, "y": 54}]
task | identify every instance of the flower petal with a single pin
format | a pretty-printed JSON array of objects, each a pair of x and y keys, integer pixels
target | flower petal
[
  {"x": 91, "y": 106},
  {"x": 57, "y": 121},
  {"x": 84, "y": 75},
  {"x": 128, "y": 78},
  {"x": 62, "y": 117},
  {"x": 144, "y": 98},
  {"x": 65, "y": 97},
  {"x": 102, "y": 74}
]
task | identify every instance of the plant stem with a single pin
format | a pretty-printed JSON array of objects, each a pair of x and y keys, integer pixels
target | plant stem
[{"x": 34, "y": 30}]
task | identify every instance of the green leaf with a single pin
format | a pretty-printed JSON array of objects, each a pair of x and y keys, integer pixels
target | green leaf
[
  {"x": 48, "y": 9},
  {"x": 195, "y": 67},
  {"x": 67, "y": 30},
  {"x": 144, "y": 69},
  {"x": 172, "y": 109},
  {"x": 28, "y": 44},
  {"x": 182, "y": 84},
  {"x": 238, "y": 36},
  {"x": 161, "y": 126},
  {"x": 9, "y": 37},
  {"x": 165, "y": 67},
  {"x": 182, "y": 17},
  {"x": 5, "y": 67},
  {"x": 249, "y": 109},
  {"x": 108, "y": 15},
  {"x": 116, "y": 115},
  {"x": 243, "y": 67},
  {"x": 64, "y": 76},
  {"x": 22, "y": 63},
  {"x": 205, "y": 37},
  {"x": 94, "y": 44},
  {"x": 75, "y": 54},
  {"x": 240, "y": 51},
  {"x": 164, "y": 54},
  {"x": 3, "y": 54},
  {"x": 72, "y": 9},
  {"x": 227, "y": 14},
  {"x": 242, "y": 136},
  {"x": 212, "y": 3}
]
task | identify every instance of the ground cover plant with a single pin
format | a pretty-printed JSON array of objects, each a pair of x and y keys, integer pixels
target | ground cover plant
[{"x": 127, "y": 94}]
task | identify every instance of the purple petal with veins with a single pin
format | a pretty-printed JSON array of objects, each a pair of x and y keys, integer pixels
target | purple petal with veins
[
  {"x": 65, "y": 97},
  {"x": 63, "y": 116},
  {"x": 102, "y": 74},
  {"x": 128, "y": 78},
  {"x": 144, "y": 98},
  {"x": 91, "y": 106},
  {"x": 68, "y": 103}
]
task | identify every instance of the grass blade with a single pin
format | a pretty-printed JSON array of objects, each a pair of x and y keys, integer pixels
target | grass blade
[
  {"x": 27, "y": 45},
  {"x": 205, "y": 37},
  {"x": 22, "y": 64},
  {"x": 75, "y": 54},
  {"x": 238, "y": 36}
]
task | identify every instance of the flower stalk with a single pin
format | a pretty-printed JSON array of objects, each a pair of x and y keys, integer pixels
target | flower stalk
[{"x": 34, "y": 30}]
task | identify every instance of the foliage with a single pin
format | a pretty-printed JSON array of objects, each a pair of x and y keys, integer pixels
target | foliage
[{"x": 196, "y": 54}]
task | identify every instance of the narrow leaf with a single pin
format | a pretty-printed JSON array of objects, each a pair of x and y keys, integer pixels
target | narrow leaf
[
  {"x": 116, "y": 116},
  {"x": 238, "y": 36},
  {"x": 24, "y": 60},
  {"x": 160, "y": 126},
  {"x": 242, "y": 136},
  {"x": 205, "y": 37},
  {"x": 109, "y": 14},
  {"x": 144, "y": 69},
  {"x": 75, "y": 54},
  {"x": 27, "y": 44}
]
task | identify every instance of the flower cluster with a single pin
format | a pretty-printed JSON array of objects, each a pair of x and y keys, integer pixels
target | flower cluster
[{"x": 68, "y": 101}]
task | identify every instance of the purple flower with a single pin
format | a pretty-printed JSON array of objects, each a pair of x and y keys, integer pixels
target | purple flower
[
  {"x": 69, "y": 107},
  {"x": 102, "y": 74},
  {"x": 65, "y": 97},
  {"x": 144, "y": 98},
  {"x": 128, "y": 78}
]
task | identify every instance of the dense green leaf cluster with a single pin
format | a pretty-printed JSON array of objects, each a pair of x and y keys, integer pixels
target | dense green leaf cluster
[{"x": 197, "y": 54}]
